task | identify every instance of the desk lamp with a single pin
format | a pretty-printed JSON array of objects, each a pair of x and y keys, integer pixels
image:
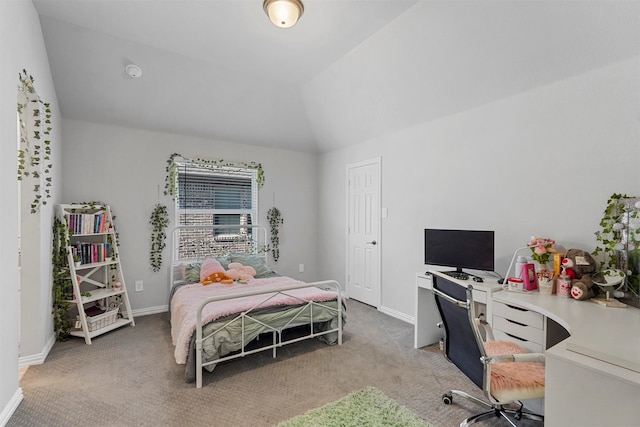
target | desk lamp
[{"x": 513, "y": 258}]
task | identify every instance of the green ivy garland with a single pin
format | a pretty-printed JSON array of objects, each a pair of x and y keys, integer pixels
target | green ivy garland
[
  {"x": 159, "y": 220},
  {"x": 62, "y": 285},
  {"x": 171, "y": 178},
  {"x": 275, "y": 221},
  {"x": 35, "y": 142}
]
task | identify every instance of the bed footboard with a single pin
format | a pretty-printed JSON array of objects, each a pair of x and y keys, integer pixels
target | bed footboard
[{"x": 303, "y": 315}]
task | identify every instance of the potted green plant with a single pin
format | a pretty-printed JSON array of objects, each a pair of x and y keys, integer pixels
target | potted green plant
[
  {"x": 619, "y": 239},
  {"x": 76, "y": 260}
]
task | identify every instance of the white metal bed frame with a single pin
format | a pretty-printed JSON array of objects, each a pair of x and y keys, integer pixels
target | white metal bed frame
[{"x": 277, "y": 333}]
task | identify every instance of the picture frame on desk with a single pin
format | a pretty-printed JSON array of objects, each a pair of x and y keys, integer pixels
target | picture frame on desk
[{"x": 530, "y": 278}]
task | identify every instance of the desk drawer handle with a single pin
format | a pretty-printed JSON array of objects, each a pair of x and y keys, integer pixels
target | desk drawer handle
[
  {"x": 516, "y": 337},
  {"x": 516, "y": 308},
  {"x": 517, "y": 323}
]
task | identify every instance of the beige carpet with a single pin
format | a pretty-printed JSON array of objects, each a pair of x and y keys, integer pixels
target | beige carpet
[{"x": 128, "y": 377}]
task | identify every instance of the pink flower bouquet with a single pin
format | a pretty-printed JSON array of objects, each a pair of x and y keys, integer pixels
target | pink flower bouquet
[{"x": 541, "y": 249}]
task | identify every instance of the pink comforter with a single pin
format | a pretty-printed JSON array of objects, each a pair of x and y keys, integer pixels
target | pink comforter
[{"x": 187, "y": 299}]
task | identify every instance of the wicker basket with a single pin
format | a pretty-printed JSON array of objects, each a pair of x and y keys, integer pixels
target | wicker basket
[{"x": 102, "y": 320}]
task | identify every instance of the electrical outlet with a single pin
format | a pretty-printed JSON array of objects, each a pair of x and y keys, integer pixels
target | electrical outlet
[
  {"x": 301, "y": 268},
  {"x": 139, "y": 286}
]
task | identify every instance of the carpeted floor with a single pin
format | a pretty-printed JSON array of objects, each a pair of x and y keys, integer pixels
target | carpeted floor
[{"x": 128, "y": 377}]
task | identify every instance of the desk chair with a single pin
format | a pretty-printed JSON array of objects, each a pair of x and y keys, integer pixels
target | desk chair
[{"x": 505, "y": 372}]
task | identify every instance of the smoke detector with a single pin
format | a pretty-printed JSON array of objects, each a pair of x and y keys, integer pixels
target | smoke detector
[{"x": 133, "y": 71}]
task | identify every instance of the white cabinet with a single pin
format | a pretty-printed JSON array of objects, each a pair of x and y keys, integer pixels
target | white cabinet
[
  {"x": 513, "y": 323},
  {"x": 100, "y": 302}
]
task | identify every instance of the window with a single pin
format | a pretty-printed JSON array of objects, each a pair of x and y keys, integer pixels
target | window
[{"x": 221, "y": 196}]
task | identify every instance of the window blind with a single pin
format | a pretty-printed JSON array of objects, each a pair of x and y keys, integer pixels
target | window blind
[
  {"x": 220, "y": 189},
  {"x": 218, "y": 196}
]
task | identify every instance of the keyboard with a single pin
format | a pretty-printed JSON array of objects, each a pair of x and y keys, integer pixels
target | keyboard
[{"x": 457, "y": 275}]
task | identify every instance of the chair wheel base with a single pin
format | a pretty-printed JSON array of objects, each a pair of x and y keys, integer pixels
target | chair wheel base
[{"x": 447, "y": 398}]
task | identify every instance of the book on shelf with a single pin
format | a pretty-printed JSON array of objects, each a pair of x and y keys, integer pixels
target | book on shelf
[
  {"x": 90, "y": 253},
  {"x": 80, "y": 223}
]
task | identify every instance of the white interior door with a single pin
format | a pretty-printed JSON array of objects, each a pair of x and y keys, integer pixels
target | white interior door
[{"x": 363, "y": 232}]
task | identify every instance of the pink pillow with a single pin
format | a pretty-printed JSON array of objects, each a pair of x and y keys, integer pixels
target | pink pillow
[
  {"x": 247, "y": 269},
  {"x": 210, "y": 266}
]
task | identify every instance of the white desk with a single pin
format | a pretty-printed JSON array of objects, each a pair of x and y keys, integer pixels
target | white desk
[
  {"x": 426, "y": 331},
  {"x": 592, "y": 377}
]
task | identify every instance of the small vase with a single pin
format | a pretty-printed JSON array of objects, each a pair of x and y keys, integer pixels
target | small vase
[
  {"x": 541, "y": 267},
  {"x": 545, "y": 285},
  {"x": 545, "y": 278}
]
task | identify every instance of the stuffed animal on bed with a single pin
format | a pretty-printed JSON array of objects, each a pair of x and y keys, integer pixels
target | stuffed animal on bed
[
  {"x": 213, "y": 272},
  {"x": 241, "y": 273},
  {"x": 217, "y": 277}
]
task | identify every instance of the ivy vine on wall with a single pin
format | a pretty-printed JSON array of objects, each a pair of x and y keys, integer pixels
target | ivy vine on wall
[
  {"x": 159, "y": 221},
  {"x": 171, "y": 178},
  {"x": 34, "y": 154},
  {"x": 274, "y": 216}
]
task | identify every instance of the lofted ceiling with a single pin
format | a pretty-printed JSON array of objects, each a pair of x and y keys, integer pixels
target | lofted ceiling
[
  {"x": 347, "y": 72},
  {"x": 212, "y": 68}
]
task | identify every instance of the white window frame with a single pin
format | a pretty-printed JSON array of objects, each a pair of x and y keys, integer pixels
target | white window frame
[{"x": 229, "y": 172}]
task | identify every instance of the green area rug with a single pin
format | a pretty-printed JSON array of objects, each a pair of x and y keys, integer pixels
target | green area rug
[{"x": 362, "y": 408}]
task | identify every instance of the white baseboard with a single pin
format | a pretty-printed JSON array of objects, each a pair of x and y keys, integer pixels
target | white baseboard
[
  {"x": 150, "y": 310},
  {"x": 11, "y": 407},
  {"x": 38, "y": 359},
  {"x": 397, "y": 314}
]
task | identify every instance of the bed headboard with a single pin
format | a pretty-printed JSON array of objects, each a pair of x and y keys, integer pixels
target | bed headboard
[{"x": 192, "y": 243}]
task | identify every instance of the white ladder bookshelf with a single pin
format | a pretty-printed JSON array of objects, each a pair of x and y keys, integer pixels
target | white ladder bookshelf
[{"x": 99, "y": 290}]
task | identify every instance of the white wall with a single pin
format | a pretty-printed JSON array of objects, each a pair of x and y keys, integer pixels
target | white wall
[
  {"x": 22, "y": 47},
  {"x": 126, "y": 169},
  {"x": 543, "y": 162}
]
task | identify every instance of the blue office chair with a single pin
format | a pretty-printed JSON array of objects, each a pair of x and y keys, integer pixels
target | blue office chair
[{"x": 503, "y": 370}]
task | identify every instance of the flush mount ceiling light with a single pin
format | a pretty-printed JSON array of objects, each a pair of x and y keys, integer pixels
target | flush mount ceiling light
[
  {"x": 283, "y": 13},
  {"x": 133, "y": 71}
]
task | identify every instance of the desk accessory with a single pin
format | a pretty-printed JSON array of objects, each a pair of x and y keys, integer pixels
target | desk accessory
[
  {"x": 609, "y": 302},
  {"x": 564, "y": 286},
  {"x": 520, "y": 263},
  {"x": 529, "y": 277},
  {"x": 513, "y": 259},
  {"x": 515, "y": 284}
]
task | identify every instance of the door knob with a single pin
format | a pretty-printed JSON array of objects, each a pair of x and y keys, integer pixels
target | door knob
[{"x": 373, "y": 242}]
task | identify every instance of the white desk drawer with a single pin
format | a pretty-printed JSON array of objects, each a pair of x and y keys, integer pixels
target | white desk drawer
[
  {"x": 524, "y": 332},
  {"x": 517, "y": 314},
  {"x": 530, "y": 346}
]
